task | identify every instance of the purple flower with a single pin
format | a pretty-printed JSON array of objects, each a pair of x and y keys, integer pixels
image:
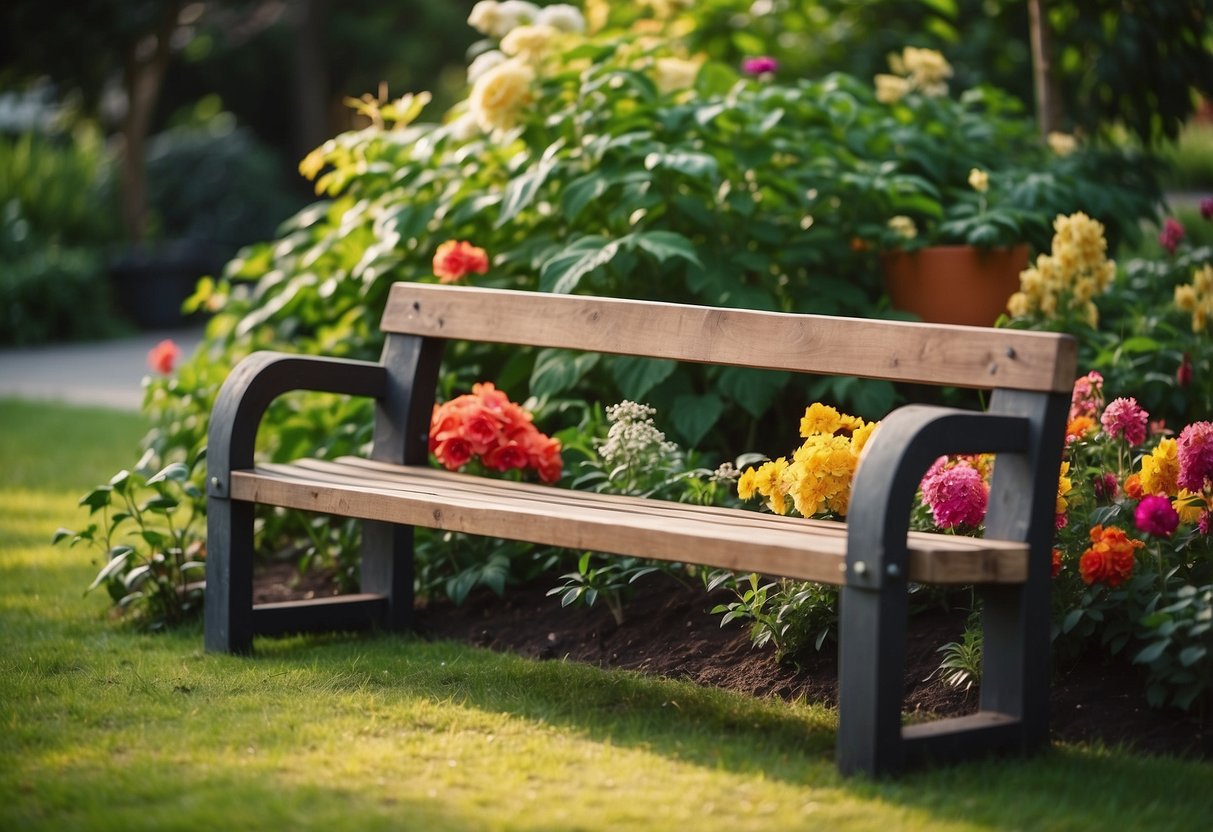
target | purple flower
[
  {"x": 1172, "y": 233},
  {"x": 1155, "y": 515},
  {"x": 1105, "y": 486},
  {"x": 759, "y": 66},
  {"x": 1206, "y": 207},
  {"x": 1125, "y": 417}
]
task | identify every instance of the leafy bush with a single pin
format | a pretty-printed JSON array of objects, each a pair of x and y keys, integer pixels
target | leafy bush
[{"x": 611, "y": 164}]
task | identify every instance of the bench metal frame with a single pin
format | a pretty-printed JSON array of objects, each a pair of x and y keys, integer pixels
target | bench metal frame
[{"x": 1024, "y": 425}]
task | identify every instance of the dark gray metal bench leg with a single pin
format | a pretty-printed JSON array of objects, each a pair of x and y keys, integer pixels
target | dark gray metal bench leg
[
  {"x": 871, "y": 667},
  {"x": 387, "y": 569},
  {"x": 229, "y": 576}
]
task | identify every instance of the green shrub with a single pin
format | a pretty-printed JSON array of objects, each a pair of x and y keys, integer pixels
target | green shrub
[{"x": 619, "y": 167}]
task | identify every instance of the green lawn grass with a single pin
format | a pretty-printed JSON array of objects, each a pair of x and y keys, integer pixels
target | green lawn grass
[{"x": 105, "y": 728}]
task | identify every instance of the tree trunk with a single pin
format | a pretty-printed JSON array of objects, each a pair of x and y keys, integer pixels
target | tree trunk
[
  {"x": 1048, "y": 99},
  {"x": 146, "y": 64},
  {"x": 311, "y": 75}
]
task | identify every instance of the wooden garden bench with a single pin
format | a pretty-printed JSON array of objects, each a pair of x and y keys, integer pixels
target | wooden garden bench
[{"x": 873, "y": 556}]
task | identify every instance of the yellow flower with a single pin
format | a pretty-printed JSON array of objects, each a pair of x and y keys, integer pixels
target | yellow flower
[
  {"x": 1188, "y": 506},
  {"x": 529, "y": 43},
  {"x": 1160, "y": 470},
  {"x": 673, "y": 74},
  {"x": 1018, "y": 305},
  {"x": 1197, "y": 297},
  {"x": 891, "y": 88},
  {"x": 903, "y": 226},
  {"x": 746, "y": 484},
  {"x": 499, "y": 94},
  {"x": 1064, "y": 486},
  {"x": 1063, "y": 144},
  {"x": 819, "y": 418},
  {"x": 979, "y": 180},
  {"x": 928, "y": 70}
]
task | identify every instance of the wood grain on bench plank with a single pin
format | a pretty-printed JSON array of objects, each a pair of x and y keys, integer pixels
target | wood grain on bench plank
[
  {"x": 975, "y": 357},
  {"x": 739, "y": 540}
]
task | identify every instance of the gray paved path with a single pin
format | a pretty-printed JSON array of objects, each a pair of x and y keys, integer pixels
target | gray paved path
[{"x": 104, "y": 373}]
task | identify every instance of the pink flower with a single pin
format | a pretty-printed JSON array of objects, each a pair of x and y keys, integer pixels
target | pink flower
[
  {"x": 1125, "y": 417},
  {"x": 163, "y": 357},
  {"x": 1206, "y": 207},
  {"x": 1206, "y": 521},
  {"x": 1195, "y": 452},
  {"x": 1155, "y": 515},
  {"x": 1087, "y": 398},
  {"x": 759, "y": 66},
  {"x": 956, "y": 495},
  {"x": 1172, "y": 234}
]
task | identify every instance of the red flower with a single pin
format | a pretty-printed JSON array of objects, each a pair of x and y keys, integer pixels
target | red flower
[
  {"x": 455, "y": 259},
  {"x": 1183, "y": 376},
  {"x": 486, "y": 425},
  {"x": 1056, "y": 562},
  {"x": 1155, "y": 515},
  {"x": 1109, "y": 559},
  {"x": 1206, "y": 207},
  {"x": 163, "y": 357},
  {"x": 1172, "y": 234}
]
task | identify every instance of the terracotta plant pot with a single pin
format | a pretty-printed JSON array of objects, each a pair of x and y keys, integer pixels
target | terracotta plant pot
[{"x": 954, "y": 284}]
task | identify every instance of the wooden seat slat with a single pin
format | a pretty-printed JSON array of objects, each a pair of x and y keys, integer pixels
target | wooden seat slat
[{"x": 730, "y": 539}]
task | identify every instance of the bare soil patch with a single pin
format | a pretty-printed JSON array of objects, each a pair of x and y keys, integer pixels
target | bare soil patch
[{"x": 668, "y": 631}]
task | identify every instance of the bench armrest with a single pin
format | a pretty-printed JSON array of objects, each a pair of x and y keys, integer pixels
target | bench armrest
[
  {"x": 259, "y": 379},
  {"x": 894, "y": 461}
]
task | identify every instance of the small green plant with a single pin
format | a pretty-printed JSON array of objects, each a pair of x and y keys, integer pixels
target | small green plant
[
  {"x": 789, "y": 615},
  {"x": 149, "y": 531},
  {"x": 961, "y": 665}
]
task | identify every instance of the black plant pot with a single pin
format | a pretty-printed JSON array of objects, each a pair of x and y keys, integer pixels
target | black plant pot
[{"x": 152, "y": 282}]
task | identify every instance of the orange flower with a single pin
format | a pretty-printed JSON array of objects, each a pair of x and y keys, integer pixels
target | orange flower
[
  {"x": 1133, "y": 487},
  {"x": 1109, "y": 559},
  {"x": 1056, "y": 562},
  {"x": 1080, "y": 427},
  {"x": 455, "y": 259},
  {"x": 162, "y": 357}
]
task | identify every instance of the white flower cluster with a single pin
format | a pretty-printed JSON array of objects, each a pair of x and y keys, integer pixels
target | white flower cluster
[{"x": 634, "y": 442}]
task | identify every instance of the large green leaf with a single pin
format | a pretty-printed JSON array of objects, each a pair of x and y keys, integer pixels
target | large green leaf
[
  {"x": 691, "y": 163},
  {"x": 521, "y": 190},
  {"x": 562, "y": 272},
  {"x": 666, "y": 244},
  {"x": 581, "y": 192},
  {"x": 754, "y": 390},
  {"x": 694, "y": 415},
  {"x": 637, "y": 376},
  {"x": 559, "y": 370}
]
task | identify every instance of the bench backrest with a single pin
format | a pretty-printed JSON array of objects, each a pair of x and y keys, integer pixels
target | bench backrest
[{"x": 961, "y": 356}]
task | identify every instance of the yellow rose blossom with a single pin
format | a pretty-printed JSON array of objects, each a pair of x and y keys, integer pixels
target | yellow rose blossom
[
  {"x": 1197, "y": 297},
  {"x": 499, "y": 94},
  {"x": 1063, "y": 144},
  {"x": 529, "y": 43},
  {"x": 903, "y": 226},
  {"x": 891, "y": 88},
  {"x": 672, "y": 74},
  {"x": 1160, "y": 470}
]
